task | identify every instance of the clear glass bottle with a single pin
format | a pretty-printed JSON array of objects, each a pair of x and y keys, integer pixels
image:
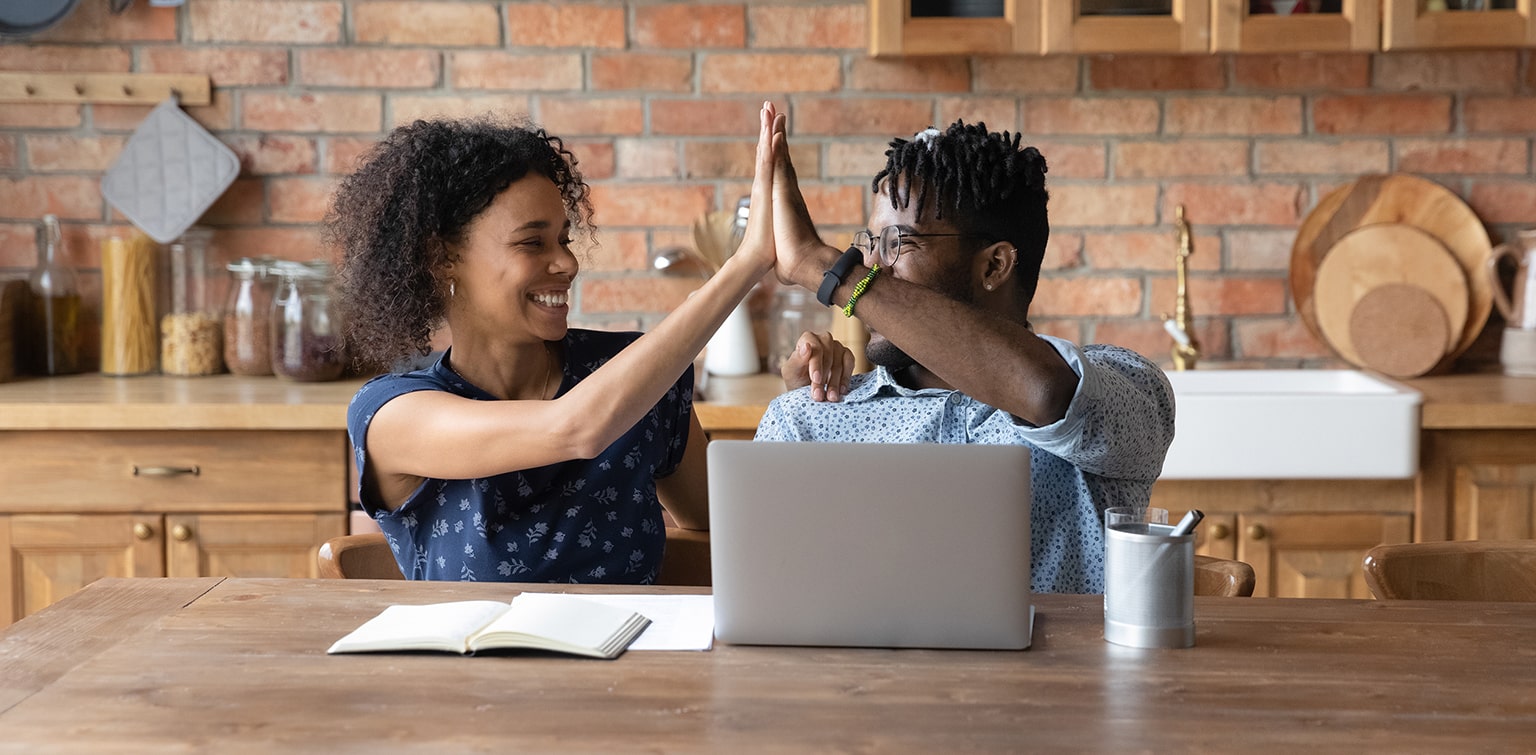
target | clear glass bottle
[
  {"x": 191, "y": 335},
  {"x": 248, "y": 317},
  {"x": 306, "y": 331},
  {"x": 795, "y": 310},
  {"x": 50, "y": 342}
]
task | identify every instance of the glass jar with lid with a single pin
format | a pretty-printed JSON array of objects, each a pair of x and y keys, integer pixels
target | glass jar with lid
[
  {"x": 306, "y": 330},
  {"x": 191, "y": 335},
  {"x": 248, "y": 317}
]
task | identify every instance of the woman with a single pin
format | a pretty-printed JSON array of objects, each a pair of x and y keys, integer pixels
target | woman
[{"x": 529, "y": 451}]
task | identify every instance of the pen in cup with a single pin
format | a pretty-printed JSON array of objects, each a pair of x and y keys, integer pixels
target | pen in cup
[{"x": 1187, "y": 524}]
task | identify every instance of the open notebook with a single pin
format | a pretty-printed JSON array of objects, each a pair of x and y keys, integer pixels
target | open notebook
[{"x": 532, "y": 621}]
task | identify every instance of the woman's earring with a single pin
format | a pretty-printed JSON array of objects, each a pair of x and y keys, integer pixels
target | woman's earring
[
  {"x": 450, "y": 289},
  {"x": 989, "y": 286}
]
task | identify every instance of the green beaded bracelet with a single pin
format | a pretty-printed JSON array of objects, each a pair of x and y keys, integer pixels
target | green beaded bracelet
[{"x": 858, "y": 289}]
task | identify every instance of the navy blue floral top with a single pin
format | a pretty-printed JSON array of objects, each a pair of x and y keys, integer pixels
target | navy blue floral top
[{"x": 586, "y": 520}]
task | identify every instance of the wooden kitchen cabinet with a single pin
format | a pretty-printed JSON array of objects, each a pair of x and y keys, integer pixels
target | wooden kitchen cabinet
[
  {"x": 1314, "y": 555},
  {"x": 1067, "y": 28},
  {"x": 1407, "y": 25},
  {"x": 894, "y": 31},
  {"x": 1356, "y": 27},
  {"x": 1478, "y": 485}
]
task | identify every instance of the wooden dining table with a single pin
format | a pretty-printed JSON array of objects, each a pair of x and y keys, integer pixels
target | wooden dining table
[{"x": 240, "y": 665}]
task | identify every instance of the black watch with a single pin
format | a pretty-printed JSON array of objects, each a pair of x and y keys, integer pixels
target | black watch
[{"x": 833, "y": 278}]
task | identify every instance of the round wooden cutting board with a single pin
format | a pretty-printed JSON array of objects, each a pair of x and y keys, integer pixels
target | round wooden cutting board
[
  {"x": 1395, "y": 198},
  {"x": 1377, "y": 255},
  {"x": 1401, "y": 330}
]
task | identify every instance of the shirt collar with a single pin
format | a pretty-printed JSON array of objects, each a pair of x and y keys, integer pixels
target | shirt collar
[{"x": 879, "y": 382}]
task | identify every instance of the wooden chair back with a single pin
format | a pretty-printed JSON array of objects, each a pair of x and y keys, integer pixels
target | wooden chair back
[
  {"x": 1502, "y": 571},
  {"x": 686, "y": 560},
  {"x": 1223, "y": 578},
  {"x": 365, "y": 556}
]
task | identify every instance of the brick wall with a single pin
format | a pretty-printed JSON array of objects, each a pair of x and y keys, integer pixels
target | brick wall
[{"x": 660, "y": 100}]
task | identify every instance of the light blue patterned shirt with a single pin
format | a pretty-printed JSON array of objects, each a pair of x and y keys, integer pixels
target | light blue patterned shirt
[{"x": 1106, "y": 451}]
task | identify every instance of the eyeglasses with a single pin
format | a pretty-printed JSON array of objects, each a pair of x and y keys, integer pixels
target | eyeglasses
[{"x": 892, "y": 243}]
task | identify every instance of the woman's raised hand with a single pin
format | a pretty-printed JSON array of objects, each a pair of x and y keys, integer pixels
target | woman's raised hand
[{"x": 757, "y": 241}]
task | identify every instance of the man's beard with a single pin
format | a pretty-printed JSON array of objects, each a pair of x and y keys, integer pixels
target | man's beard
[{"x": 881, "y": 352}]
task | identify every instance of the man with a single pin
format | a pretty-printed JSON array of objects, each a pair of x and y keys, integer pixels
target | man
[{"x": 944, "y": 277}]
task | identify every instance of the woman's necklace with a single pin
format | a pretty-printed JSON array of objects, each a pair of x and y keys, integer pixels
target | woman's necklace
[{"x": 549, "y": 368}]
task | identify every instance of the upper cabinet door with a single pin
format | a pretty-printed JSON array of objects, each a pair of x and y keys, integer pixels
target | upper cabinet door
[
  {"x": 1129, "y": 26},
  {"x": 1295, "y": 25},
  {"x": 934, "y": 27},
  {"x": 1421, "y": 24}
]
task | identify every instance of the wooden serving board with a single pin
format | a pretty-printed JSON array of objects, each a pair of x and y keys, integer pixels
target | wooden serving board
[
  {"x": 1377, "y": 255},
  {"x": 1401, "y": 329},
  {"x": 1395, "y": 198}
]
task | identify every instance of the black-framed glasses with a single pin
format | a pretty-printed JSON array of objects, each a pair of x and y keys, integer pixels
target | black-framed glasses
[{"x": 891, "y": 244}]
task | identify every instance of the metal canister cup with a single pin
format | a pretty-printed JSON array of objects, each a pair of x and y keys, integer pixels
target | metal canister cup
[{"x": 1149, "y": 586}]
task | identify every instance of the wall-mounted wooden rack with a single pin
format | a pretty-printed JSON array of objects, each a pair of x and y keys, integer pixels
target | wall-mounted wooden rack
[{"x": 114, "y": 88}]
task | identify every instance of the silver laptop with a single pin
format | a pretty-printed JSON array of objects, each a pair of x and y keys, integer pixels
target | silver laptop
[{"x": 870, "y": 544}]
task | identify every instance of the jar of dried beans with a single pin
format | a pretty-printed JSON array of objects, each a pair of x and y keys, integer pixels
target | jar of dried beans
[
  {"x": 191, "y": 335},
  {"x": 306, "y": 330},
  {"x": 248, "y": 317}
]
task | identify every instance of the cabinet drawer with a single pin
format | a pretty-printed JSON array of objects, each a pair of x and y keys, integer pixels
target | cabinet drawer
[{"x": 139, "y": 470}]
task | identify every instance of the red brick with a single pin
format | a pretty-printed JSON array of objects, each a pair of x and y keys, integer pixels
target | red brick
[
  {"x": 854, "y": 159},
  {"x": 1165, "y": 73},
  {"x": 218, "y": 116},
  {"x": 1382, "y": 114},
  {"x": 635, "y": 294},
  {"x": 613, "y": 251},
  {"x": 800, "y": 27},
  {"x": 997, "y": 113},
  {"x": 436, "y": 24},
  {"x": 8, "y": 159},
  {"x": 290, "y": 243},
  {"x": 262, "y": 155},
  {"x": 298, "y": 200},
  {"x": 1072, "y": 159},
  {"x": 82, "y": 245},
  {"x": 507, "y": 71},
  {"x": 240, "y": 204},
  {"x": 22, "y": 115},
  {"x": 1259, "y": 250},
  {"x": 1242, "y": 116},
  {"x": 377, "y": 68},
  {"x": 1181, "y": 158},
  {"x": 650, "y": 72},
  {"x": 770, "y": 72},
  {"x": 1097, "y": 205},
  {"x": 18, "y": 244},
  {"x": 343, "y": 154},
  {"x": 1236, "y": 203},
  {"x": 860, "y": 117},
  {"x": 1072, "y": 330},
  {"x": 1461, "y": 156},
  {"x": 1323, "y": 158},
  {"x": 588, "y": 115},
  {"x": 1149, "y": 338},
  {"x": 1500, "y": 115},
  {"x": 94, "y": 23},
  {"x": 1286, "y": 338},
  {"x": 711, "y": 117},
  {"x": 410, "y": 108},
  {"x": 290, "y": 21},
  {"x": 1073, "y": 116},
  {"x": 1226, "y": 295},
  {"x": 1149, "y": 250},
  {"x": 225, "y": 66},
  {"x": 910, "y": 75},
  {"x": 721, "y": 160},
  {"x": 1304, "y": 71},
  {"x": 1508, "y": 201},
  {"x": 1448, "y": 71},
  {"x": 56, "y": 152},
  {"x": 1021, "y": 75},
  {"x": 55, "y": 58},
  {"x": 650, "y": 204},
  {"x": 331, "y": 113},
  {"x": 1081, "y": 296},
  {"x": 594, "y": 157},
  {"x": 646, "y": 158},
  {"x": 682, "y": 26},
  {"x": 574, "y": 25},
  {"x": 69, "y": 197},
  {"x": 834, "y": 204},
  {"x": 1063, "y": 251}
]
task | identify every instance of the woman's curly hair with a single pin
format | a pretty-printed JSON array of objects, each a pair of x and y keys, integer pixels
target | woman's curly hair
[{"x": 399, "y": 218}]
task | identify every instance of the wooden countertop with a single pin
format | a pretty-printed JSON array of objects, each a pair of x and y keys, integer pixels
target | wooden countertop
[
  {"x": 146, "y": 665},
  {"x": 95, "y": 402}
]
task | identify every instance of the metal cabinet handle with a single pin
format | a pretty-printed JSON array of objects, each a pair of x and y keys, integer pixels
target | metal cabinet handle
[
  {"x": 139, "y": 471},
  {"x": 1220, "y": 532},
  {"x": 181, "y": 532},
  {"x": 1257, "y": 532},
  {"x": 143, "y": 531}
]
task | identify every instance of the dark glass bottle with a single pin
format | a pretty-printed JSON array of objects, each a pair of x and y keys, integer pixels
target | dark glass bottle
[{"x": 50, "y": 320}]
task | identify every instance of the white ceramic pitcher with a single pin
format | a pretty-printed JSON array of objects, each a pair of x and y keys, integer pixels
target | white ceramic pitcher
[{"x": 1517, "y": 352}]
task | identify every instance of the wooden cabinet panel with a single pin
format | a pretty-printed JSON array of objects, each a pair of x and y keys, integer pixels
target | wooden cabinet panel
[
  {"x": 894, "y": 31},
  {"x": 1216, "y": 536},
  {"x": 1494, "y": 502},
  {"x": 248, "y": 545},
  {"x": 1314, "y": 555},
  {"x": 124, "y": 470},
  {"x": 1185, "y": 29},
  {"x": 1356, "y": 27},
  {"x": 1477, "y": 485},
  {"x": 49, "y": 557},
  {"x": 1407, "y": 26}
]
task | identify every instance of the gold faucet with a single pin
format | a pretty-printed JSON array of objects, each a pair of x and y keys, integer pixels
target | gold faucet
[{"x": 1181, "y": 326}]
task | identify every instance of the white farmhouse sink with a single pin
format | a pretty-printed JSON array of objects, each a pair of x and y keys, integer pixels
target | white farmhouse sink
[{"x": 1292, "y": 424}]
